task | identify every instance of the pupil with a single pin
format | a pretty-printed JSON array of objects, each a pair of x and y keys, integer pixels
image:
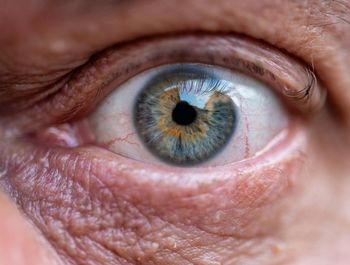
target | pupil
[{"x": 184, "y": 113}]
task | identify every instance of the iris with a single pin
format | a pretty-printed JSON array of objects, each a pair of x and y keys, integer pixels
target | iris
[{"x": 184, "y": 115}]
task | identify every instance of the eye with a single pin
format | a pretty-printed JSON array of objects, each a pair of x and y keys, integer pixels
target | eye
[
  {"x": 226, "y": 100},
  {"x": 189, "y": 114}
]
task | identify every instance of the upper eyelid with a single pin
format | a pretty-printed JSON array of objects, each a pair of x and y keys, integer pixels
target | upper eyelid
[{"x": 110, "y": 68}]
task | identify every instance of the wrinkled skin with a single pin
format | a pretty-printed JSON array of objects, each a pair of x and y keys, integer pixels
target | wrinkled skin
[{"x": 85, "y": 206}]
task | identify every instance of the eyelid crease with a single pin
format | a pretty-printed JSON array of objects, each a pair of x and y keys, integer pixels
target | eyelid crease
[{"x": 104, "y": 72}]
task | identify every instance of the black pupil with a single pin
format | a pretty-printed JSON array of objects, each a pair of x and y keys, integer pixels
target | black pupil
[{"x": 184, "y": 113}]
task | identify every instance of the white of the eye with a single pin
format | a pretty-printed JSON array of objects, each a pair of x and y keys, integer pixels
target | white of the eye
[{"x": 261, "y": 116}]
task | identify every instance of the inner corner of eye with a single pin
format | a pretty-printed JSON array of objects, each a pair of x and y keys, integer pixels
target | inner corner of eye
[{"x": 189, "y": 115}]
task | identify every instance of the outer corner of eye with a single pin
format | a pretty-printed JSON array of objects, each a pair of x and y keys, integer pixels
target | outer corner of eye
[{"x": 189, "y": 115}]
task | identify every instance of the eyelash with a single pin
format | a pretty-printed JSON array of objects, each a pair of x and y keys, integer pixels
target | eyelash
[
  {"x": 204, "y": 84},
  {"x": 89, "y": 84}
]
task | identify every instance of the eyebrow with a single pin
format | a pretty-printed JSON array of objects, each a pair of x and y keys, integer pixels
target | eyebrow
[
  {"x": 338, "y": 12},
  {"x": 338, "y": 8},
  {"x": 335, "y": 9},
  {"x": 328, "y": 11}
]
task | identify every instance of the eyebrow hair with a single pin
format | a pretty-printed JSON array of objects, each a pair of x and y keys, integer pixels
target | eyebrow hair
[
  {"x": 336, "y": 11},
  {"x": 339, "y": 11}
]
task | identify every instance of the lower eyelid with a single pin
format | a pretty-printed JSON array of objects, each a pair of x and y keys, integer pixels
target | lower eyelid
[{"x": 247, "y": 185}]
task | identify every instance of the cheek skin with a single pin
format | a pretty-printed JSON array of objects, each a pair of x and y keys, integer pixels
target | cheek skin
[
  {"x": 20, "y": 245},
  {"x": 91, "y": 204}
]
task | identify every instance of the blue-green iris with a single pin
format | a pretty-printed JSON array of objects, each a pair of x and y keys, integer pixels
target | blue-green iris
[{"x": 184, "y": 115}]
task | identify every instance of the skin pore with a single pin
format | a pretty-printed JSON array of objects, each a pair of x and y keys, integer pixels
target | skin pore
[{"x": 87, "y": 206}]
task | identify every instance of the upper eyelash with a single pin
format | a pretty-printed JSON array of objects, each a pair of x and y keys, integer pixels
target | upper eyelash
[
  {"x": 305, "y": 93},
  {"x": 204, "y": 85},
  {"x": 198, "y": 83}
]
